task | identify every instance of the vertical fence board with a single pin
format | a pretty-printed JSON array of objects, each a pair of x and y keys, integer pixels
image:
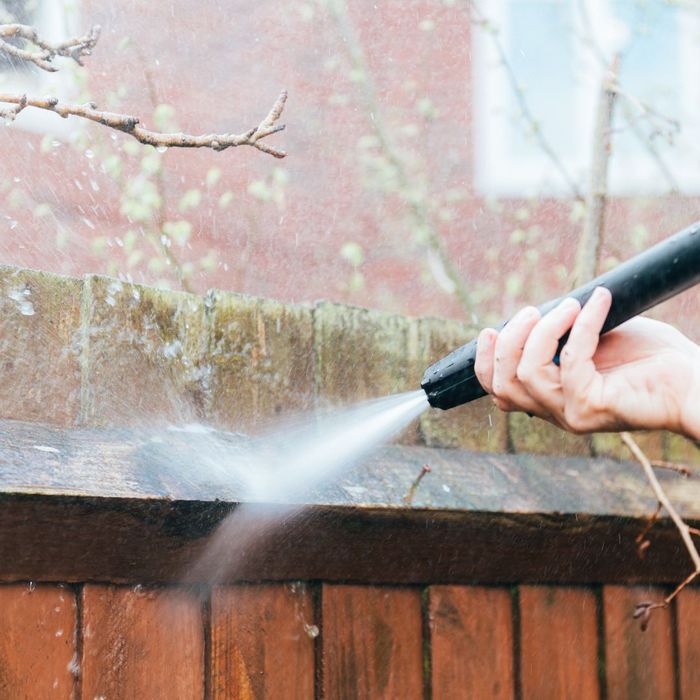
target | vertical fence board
[
  {"x": 558, "y": 643},
  {"x": 637, "y": 664},
  {"x": 372, "y": 642},
  {"x": 37, "y": 643},
  {"x": 141, "y": 643},
  {"x": 262, "y": 642},
  {"x": 688, "y": 622},
  {"x": 471, "y": 641}
]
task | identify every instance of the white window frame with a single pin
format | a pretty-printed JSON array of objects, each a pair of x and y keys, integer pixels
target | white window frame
[
  {"x": 498, "y": 173},
  {"x": 56, "y": 21}
]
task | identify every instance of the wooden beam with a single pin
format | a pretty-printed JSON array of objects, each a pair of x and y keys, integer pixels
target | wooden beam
[{"x": 118, "y": 505}]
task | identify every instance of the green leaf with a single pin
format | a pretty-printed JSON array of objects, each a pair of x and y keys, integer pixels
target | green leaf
[
  {"x": 164, "y": 117},
  {"x": 260, "y": 190},
  {"x": 179, "y": 231},
  {"x": 353, "y": 253},
  {"x": 190, "y": 200},
  {"x": 225, "y": 199},
  {"x": 213, "y": 176}
]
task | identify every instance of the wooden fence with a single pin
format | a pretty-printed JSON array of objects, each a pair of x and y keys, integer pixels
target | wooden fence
[{"x": 512, "y": 572}]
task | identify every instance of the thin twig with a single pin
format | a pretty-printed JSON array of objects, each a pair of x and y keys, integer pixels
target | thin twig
[
  {"x": 408, "y": 498},
  {"x": 416, "y": 205},
  {"x": 643, "y": 610},
  {"x": 131, "y": 125},
  {"x": 161, "y": 239},
  {"x": 641, "y": 539},
  {"x": 480, "y": 20},
  {"x": 589, "y": 243},
  {"x": 626, "y": 106},
  {"x": 682, "y": 469},
  {"x": 46, "y": 51}
]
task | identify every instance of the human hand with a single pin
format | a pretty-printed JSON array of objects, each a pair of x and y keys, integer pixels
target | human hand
[{"x": 642, "y": 375}]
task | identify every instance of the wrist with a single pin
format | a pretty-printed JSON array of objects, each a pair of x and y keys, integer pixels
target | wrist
[{"x": 690, "y": 414}]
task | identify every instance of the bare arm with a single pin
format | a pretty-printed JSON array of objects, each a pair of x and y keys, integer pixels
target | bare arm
[{"x": 642, "y": 375}]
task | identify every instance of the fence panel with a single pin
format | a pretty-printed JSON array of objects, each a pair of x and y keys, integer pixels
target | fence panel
[
  {"x": 637, "y": 664},
  {"x": 471, "y": 642},
  {"x": 558, "y": 643},
  {"x": 141, "y": 643},
  {"x": 262, "y": 642},
  {"x": 372, "y": 642},
  {"x": 37, "y": 644}
]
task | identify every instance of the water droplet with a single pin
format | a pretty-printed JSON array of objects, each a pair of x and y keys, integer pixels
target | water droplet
[
  {"x": 162, "y": 149},
  {"x": 446, "y": 488},
  {"x": 31, "y": 587},
  {"x": 59, "y": 633},
  {"x": 312, "y": 631},
  {"x": 89, "y": 154}
]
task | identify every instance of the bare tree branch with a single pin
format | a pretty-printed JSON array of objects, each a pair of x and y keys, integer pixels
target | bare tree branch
[
  {"x": 588, "y": 249},
  {"x": 131, "y": 125},
  {"x": 416, "y": 204},
  {"x": 46, "y": 52},
  {"x": 643, "y": 610},
  {"x": 82, "y": 46},
  {"x": 673, "y": 126},
  {"x": 480, "y": 20}
]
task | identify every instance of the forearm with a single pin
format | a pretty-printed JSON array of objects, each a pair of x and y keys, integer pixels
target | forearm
[{"x": 690, "y": 420}]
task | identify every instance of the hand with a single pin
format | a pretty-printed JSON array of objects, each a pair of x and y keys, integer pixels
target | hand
[{"x": 642, "y": 375}]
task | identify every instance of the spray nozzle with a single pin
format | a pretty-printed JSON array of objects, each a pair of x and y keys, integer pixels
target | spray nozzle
[{"x": 646, "y": 280}]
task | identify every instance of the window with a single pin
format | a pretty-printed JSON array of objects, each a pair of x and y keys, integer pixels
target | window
[
  {"x": 54, "y": 22},
  {"x": 558, "y": 51}
]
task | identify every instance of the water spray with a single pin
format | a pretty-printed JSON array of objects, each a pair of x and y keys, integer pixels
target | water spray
[{"x": 657, "y": 274}]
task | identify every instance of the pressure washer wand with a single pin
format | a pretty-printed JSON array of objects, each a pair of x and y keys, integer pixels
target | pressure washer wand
[{"x": 646, "y": 280}]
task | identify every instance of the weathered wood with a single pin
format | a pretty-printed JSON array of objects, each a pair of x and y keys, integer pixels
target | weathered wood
[
  {"x": 37, "y": 641},
  {"x": 688, "y": 621},
  {"x": 471, "y": 642},
  {"x": 124, "y": 540},
  {"x": 638, "y": 664},
  {"x": 141, "y": 643},
  {"x": 372, "y": 643},
  {"x": 197, "y": 464},
  {"x": 558, "y": 643},
  {"x": 140, "y": 506},
  {"x": 262, "y": 642}
]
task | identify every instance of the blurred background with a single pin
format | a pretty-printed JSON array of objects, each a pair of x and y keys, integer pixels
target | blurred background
[{"x": 441, "y": 153}]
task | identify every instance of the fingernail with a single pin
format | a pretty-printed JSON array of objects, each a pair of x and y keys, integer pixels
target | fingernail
[
  {"x": 599, "y": 293},
  {"x": 569, "y": 303}
]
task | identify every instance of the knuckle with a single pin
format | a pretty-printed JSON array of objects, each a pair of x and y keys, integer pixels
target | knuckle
[{"x": 524, "y": 373}]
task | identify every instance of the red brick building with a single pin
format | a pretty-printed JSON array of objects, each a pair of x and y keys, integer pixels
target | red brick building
[{"x": 338, "y": 218}]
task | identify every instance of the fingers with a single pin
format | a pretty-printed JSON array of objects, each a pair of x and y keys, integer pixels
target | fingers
[
  {"x": 578, "y": 371},
  {"x": 509, "y": 349},
  {"x": 536, "y": 371},
  {"x": 483, "y": 364}
]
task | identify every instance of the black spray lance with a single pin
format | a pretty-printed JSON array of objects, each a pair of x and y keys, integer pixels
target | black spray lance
[{"x": 651, "y": 277}]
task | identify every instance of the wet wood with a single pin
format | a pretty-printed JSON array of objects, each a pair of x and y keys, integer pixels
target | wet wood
[
  {"x": 124, "y": 540},
  {"x": 371, "y": 643},
  {"x": 558, "y": 643},
  {"x": 141, "y": 506},
  {"x": 141, "y": 643},
  {"x": 471, "y": 642},
  {"x": 262, "y": 642},
  {"x": 688, "y": 623},
  {"x": 637, "y": 664},
  {"x": 38, "y": 641}
]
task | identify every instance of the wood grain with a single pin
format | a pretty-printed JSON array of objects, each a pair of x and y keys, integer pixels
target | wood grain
[
  {"x": 688, "y": 623},
  {"x": 141, "y": 643},
  {"x": 371, "y": 643},
  {"x": 37, "y": 641},
  {"x": 638, "y": 664},
  {"x": 471, "y": 641},
  {"x": 262, "y": 642},
  {"x": 558, "y": 643}
]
